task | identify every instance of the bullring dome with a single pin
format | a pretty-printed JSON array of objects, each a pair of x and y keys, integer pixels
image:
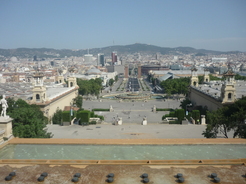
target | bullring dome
[{"x": 93, "y": 71}]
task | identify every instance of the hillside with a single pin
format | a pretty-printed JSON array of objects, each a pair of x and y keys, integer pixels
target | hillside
[{"x": 121, "y": 49}]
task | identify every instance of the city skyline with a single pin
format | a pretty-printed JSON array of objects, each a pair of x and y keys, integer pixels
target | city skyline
[{"x": 212, "y": 25}]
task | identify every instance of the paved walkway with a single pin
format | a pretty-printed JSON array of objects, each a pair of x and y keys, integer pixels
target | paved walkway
[
  {"x": 127, "y": 131},
  {"x": 132, "y": 112}
]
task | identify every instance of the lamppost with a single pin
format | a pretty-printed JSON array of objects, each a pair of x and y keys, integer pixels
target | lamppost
[
  {"x": 186, "y": 112},
  {"x": 71, "y": 111}
]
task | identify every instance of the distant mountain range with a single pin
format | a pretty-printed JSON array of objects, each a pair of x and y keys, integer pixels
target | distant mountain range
[{"x": 120, "y": 49}]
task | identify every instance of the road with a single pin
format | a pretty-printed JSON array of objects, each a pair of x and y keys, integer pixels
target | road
[{"x": 133, "y": 84}]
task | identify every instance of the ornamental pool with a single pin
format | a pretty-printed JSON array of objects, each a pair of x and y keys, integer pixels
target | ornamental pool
[{"x": 123, "y": 152}]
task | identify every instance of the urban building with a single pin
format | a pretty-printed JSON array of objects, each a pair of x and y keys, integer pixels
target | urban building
[
  {"x": 219, "y": 60},
  {"x": 51, "y": 98},
  {"x": 213, "y": 95},
  {"x": 100, "y": 59},
  {"x": 88, "y": 58},
  {"x": 116, "y": 68},
  {"x": 146, "y": 68},
  {"x": 114, "y": 57}
]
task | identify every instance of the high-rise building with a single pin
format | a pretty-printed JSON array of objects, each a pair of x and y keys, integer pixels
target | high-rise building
[
  {"x": 114, "y": 57},
  {"x": 88, "y": 58},
  {"x": 219, "y": 60},
  {"x": 35, "y": 58},
  {"x": 100, "y": 59}
]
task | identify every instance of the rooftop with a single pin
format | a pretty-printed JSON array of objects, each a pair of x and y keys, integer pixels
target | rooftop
[{"x": 213, "y": 88}]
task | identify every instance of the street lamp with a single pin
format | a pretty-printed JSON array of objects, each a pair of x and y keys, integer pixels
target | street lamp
[{"x": 186, "y": 112}]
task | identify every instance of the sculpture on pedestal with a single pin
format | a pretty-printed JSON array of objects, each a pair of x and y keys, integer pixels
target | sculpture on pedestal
[
  {"x": 111, "y": 108},
  {"x": 144, "y": 121},
  {"x": 4, "y": 103},
  {"x": 5, "y": 121}
]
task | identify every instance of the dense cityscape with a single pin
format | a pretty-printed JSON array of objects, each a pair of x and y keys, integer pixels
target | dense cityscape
[{"x": 122, "y": 92}]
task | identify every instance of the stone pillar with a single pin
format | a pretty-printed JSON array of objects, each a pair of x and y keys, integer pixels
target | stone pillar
[
  {"x": 119, "y": 121},
  {"x": 154, "y": 108},
  {"x": 6, "y": 124},
  {"x": 203, "y": 120},
  {"x": 144, "y": 121},
  {"x": 111, "y": 109}
]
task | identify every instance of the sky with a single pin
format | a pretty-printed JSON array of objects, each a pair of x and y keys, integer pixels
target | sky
[{"x": 80, "y": 24}]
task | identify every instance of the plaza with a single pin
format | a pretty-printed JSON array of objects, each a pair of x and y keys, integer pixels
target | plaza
[{"x": 131, "y": 112}]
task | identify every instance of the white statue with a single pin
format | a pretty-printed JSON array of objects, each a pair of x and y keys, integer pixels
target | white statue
[{"x": 4, "y": 103}]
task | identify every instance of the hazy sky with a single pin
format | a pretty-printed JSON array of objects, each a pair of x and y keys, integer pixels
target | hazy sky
[{"x": 80, "y": 24}]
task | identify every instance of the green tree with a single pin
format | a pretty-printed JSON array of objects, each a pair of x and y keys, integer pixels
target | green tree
[
  {"x": 116, "y": 78},
  {"x": 111, "y": 82},
  {"x": 227, "y": 118},
  {"x": 196, "y": 115},
  {"x": 212, "y": 78},
  {"x": 236, "y": 113},
  {"x": 78, "y": 101},
  {"x": 217, "y": 123},
  {"x": 28, "y": 121},
  {"x": 240, "y": 77},
  {"x": 180, "y": 113},
  {"x": 176, "y": 86},
  {"x": 57, "y": 117},
  {"x": 184, "y": 103},
  {"x": 92, "y": 86}
]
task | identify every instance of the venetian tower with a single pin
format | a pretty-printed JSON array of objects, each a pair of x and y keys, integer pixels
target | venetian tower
[
  {"x": 60, "y": 78},
  {"x": 228, "y": 91},
  {"x": 206, "y": 76},
  {"x": 194, "y": 77},
  {"x": 39, "y": 90},
  {"x": 71, "y": 79}
]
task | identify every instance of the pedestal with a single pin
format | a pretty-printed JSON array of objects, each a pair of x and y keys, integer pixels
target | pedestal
[
  {"x": 111, "y": 108},
  {"x": 6, "y": 124},
  {"x": 119, "y": 121},
  {"x": 154, "y": 108},
  {"x": 144, "y": 121},
  {"x": 203, "y": 120},
  {"x": 2, "y": 131}
]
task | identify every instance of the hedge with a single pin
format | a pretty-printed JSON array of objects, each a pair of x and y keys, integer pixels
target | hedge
[
  {"x": 100, "y": 109},
  {"x": 174, "y": 122},
  {"x": 98, "y": 116},
  {"x": 169, "y": 109},
  {"x": 101, "y": 117},
  {"x": 84, "y": 115},
  {"x": 92, "y": 123},
  {"x": 66, "y": 116},
  {"x": 180, "y": 114}
]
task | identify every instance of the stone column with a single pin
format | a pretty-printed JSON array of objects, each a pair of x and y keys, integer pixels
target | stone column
[
  {"x": 111, "y": 108},
  {"x": 154, "y": 108},
  {"x": 6, "y": 124},
  {"x": 119, "y": 121},
  {"x": 203, "y": 120},
  {"x": 144, "y": 121}
]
